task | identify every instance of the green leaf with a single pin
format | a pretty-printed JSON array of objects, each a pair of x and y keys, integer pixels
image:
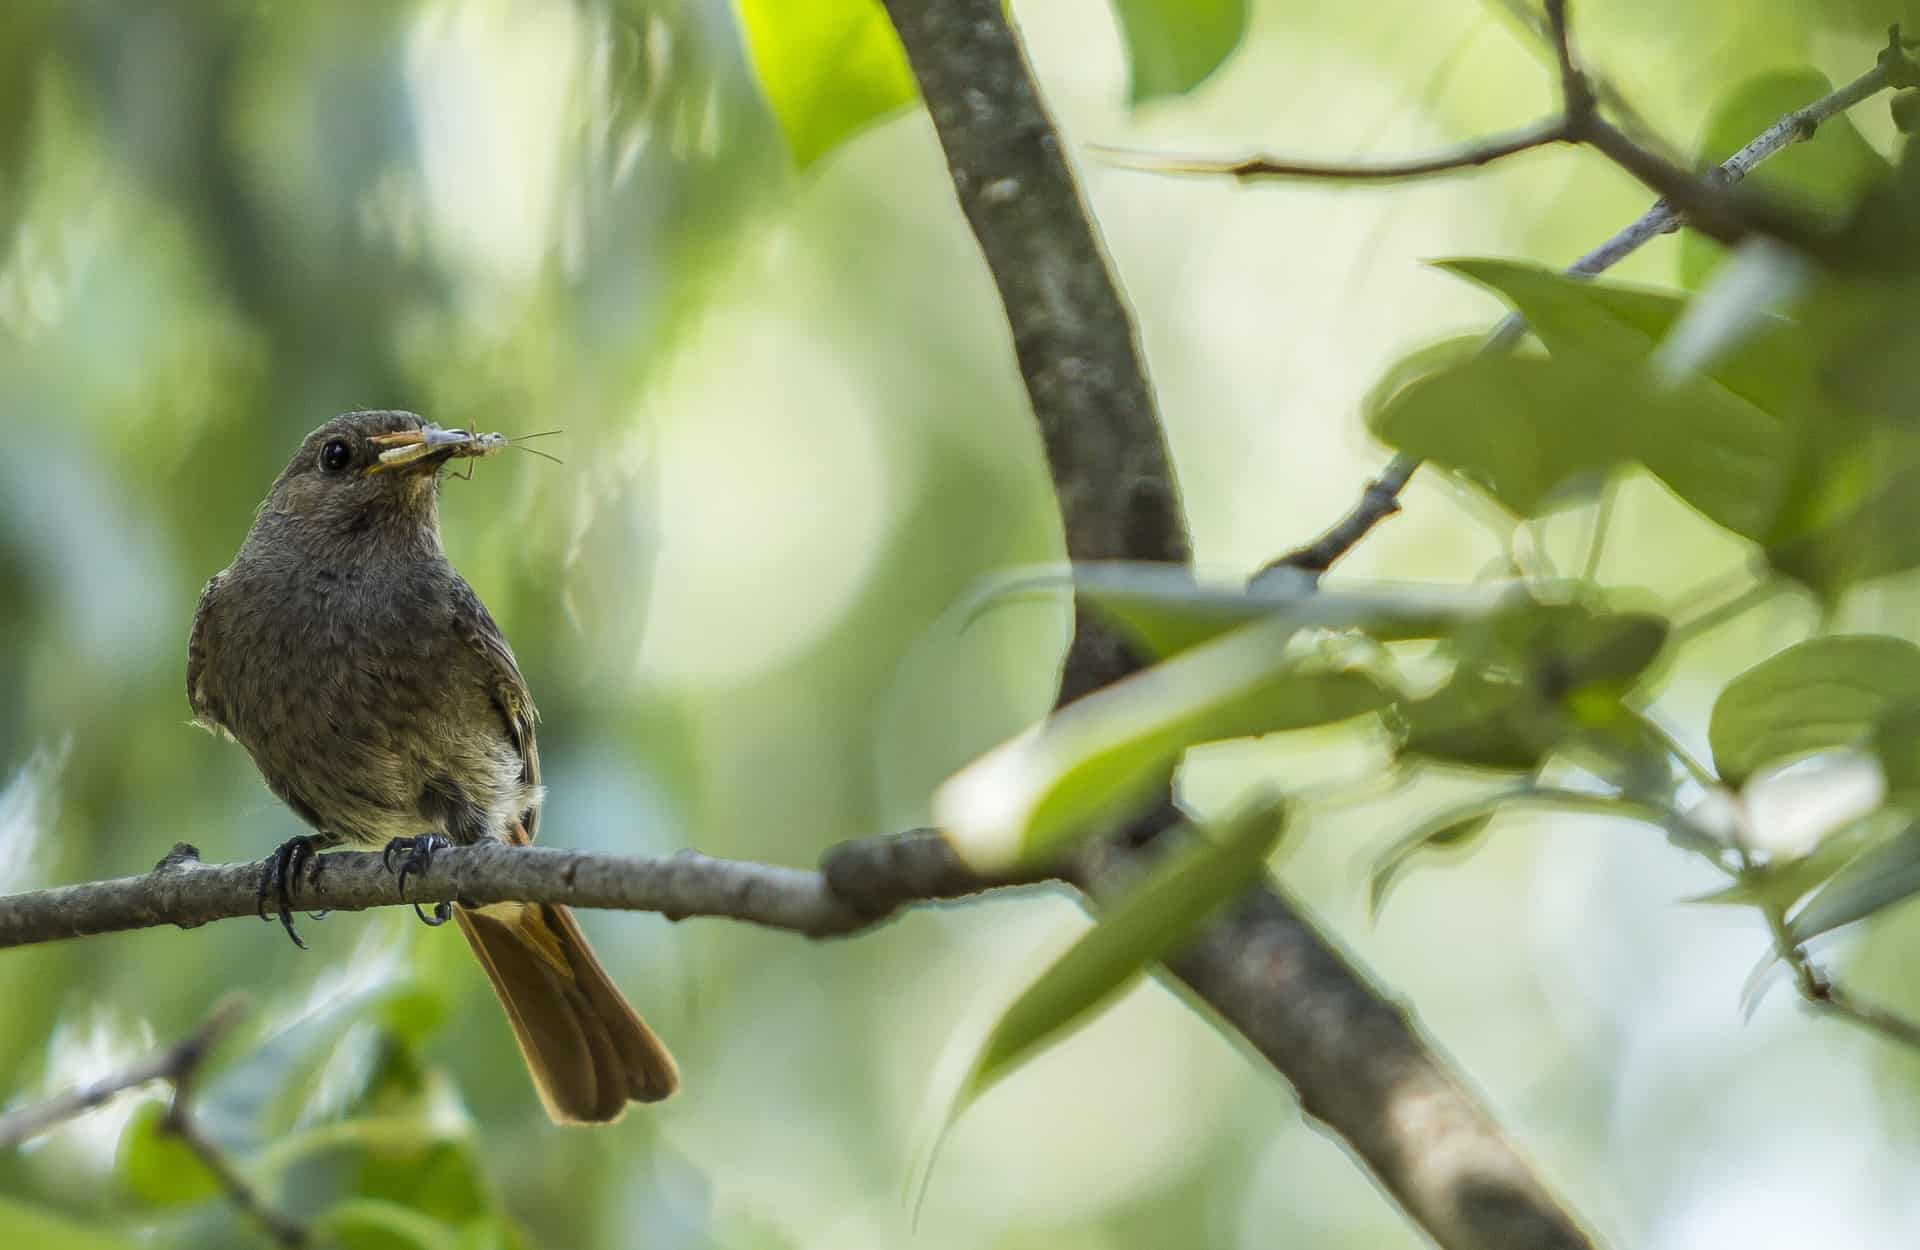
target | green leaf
[
  {"x": 1477, "y": 721},
  {"x": 377, "y": 1224},
  {"x": 1774, "y": 368},
  {"x": 1528, "y": 430},
  {"x": 1175, "y": 45},
  {"x": 1818, "y": 695},
  {"x": 27, "y": 1226},
  {"x": 158, "y": 1167},
  {"x": 828, "y": 69},
  {"x": 1534, "y": 678},
  {"x": 1896, "y": 743},
  {"x": 1829, "y": 397},
  {"x": 1145, "y": 925},
  {"x": 1825, "y": 172},
  {"x": 1572, "y": 314},
  {"x": 1088, "y": 764},
  {"x": 1877, "y": 878}
]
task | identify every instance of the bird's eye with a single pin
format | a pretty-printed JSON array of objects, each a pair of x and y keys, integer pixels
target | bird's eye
[{"x": 336, "y": 455}]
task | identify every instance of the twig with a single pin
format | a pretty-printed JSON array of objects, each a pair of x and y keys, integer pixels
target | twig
[
  {"x": 179, "y": 1066},
  {"x": 183, "y": 891},
  {"x": 1830, "y": 999},
  {"x": 1575, "y": 95},
  {"x": 1818, "y": 990},
  {"x": 167, "y": 1064},
  {"x": 1485, "y": 152}
]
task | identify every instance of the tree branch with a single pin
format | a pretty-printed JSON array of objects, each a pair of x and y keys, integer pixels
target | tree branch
[
  {"x": 1076, "y": 349},
  {"x": 1484, "y": 152},
  {"x": 183, "y": 891},
  {"x": 1380, "y": 498},
  {"x": 179, "y": 1065}
]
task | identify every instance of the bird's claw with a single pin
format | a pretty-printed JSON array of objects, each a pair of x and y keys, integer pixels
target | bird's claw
[
  {"x": 416, "y": 854},
  {"x": 277, "y": 877}
]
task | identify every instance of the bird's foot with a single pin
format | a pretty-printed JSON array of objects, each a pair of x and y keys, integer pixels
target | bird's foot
[
  {"x": 277, "y": 877},
  {"x": 414, "y": 855}
]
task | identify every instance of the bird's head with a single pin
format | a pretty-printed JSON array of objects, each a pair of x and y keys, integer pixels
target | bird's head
[{"x": 364, "y": 475}]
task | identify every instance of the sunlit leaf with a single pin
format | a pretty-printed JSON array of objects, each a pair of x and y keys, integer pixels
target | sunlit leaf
[
  {"x": 1145, "y": 925},
  {"x": 1088, "y": 764},
  {"x": 1887, "y": 873},
  {"x": 156, "y": 1166},
  {"x": 26, "y": 1226},
  {"x": 1175, "y": 45},
  {"x": 1823, "y": 172},
  {"x": 1818, "y": 695},
  {"x": 1165, "y": 609},
  {"x": 828, "y": 69},
  {"x": 1779, "y": 884}
]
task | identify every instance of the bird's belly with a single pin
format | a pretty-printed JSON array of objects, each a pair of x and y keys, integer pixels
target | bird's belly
[{"x": 363, "y": 734}]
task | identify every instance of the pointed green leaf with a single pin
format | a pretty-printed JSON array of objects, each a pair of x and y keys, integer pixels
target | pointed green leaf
[
  {"x": 1879, "y": 877},
  {"x": 1149, "y": 923},
  {"x": 1088, "y": 764},
  {"x": 1819, "y": 695},
  {"x": 1175, "y": 45},
  {"x": 828, "y": 69}
]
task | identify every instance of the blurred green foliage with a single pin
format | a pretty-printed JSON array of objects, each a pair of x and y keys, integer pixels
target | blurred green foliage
[{"x": 795, "y": 443}]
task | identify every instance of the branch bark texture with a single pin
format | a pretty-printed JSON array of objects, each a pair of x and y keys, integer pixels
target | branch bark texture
[
  {"x": 181, "y": 890},
  {"x": 1357, "y": 1062}
]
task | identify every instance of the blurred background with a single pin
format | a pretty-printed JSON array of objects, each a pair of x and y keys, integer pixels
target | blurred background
[{"x": 793, "y": 438}]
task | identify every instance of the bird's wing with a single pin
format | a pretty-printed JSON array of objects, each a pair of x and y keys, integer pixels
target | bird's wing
[
  {"x": 477, "y": 630},
  {"x": 202, "y": 696}
]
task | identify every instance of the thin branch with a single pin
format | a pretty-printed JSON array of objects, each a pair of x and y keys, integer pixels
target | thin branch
[
  {"x": 1484, "y": 152},
  {"x": 1576, "y": 96},
  {"x": 181, "y": 890},
  {"x": 166, "y": 1064},
  {"x": 1829, "y": 999},
  {"x": 1818, "y": 990},
  {"x": 179, "y": 1066}
]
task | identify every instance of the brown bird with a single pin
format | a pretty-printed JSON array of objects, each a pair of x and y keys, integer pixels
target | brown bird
[{"x": 380, "y": 701}]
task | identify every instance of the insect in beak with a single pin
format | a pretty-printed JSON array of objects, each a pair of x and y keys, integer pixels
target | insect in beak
[{"x": 431, "y": 446}]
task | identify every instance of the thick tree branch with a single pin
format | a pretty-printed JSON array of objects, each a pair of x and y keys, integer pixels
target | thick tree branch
[
  {"x": 183, "y": 891},
  {"x": 1077, "y": 353}
]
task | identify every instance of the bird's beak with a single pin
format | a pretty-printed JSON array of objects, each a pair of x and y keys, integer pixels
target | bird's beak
[{"x": 429, "y": 447}]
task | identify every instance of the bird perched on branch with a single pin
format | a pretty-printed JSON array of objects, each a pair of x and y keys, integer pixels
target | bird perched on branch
[{"x": 380, "y": 702}]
